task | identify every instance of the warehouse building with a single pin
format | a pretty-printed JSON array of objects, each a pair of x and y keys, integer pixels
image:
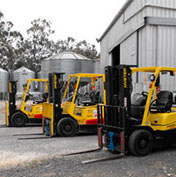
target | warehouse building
[{"x": 143, "y": 33}]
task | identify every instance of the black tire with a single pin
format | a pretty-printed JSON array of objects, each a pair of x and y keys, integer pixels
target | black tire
[
  {"x": 18, "y": 119},
  {"x": 67, "y": 127},
  {"x": 140, "y": 142}
]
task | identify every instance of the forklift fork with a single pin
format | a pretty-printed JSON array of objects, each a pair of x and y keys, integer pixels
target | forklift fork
[
  {"x": 100, "y": 143},
  {"x": 82, "y": 152},
  {"x": 104, "y": 159}
]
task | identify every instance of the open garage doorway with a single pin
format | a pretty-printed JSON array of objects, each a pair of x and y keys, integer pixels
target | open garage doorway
[{"x": 116, "y": 56}]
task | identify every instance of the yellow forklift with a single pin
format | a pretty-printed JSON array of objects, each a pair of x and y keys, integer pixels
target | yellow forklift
[
  {"x": 19, "y": 117},
  {"x": 78, "y": 109},
  {"x": 135, "y": 122}
]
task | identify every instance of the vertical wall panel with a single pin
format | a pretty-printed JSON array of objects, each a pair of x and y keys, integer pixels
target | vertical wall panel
[
  {"x": 166, "y": 46},
  {"x": 148, "y": 46},
  {"x": 154, "y": 44},
  {"x": 122, "y": 26},
  {"x": 128, "y": 50},
  {"x": 167, "y": 54}
]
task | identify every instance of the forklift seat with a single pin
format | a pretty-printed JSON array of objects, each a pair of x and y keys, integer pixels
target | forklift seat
[
  {"x": 44, "y": 98},
  {"x": 94, "y": 99},
  {"x": 138, "y": 103},
  {"x": 163, "y": 103}
]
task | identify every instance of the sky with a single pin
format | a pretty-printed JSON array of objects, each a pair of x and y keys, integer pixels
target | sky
[{"x": 80, "y": 19}]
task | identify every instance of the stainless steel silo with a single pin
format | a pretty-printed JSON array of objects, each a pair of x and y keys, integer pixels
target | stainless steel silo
[
  {"x": 97, "y": 66},
  {"x": 41, "y": 85},
  {"x": 21, "y": 75},
  {"x": 4, "y": 77},
  {"x": 67, "y": 62},
  {"x": 39, "y": 75}
]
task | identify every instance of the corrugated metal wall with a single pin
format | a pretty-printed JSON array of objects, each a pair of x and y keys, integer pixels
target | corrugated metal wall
[
  {"x": 147, "y": 46},
  {"x": 67, "y": 66},
  {"x": 97, "y": 66},
  {"x": 166, "y": 9},
  {"x": 22, "y": 75},
  {"x": 134, "y": 7},
  {"x": 128, "y": 50},
  {"x": 166, "y": 46},
  {"x": 152, "y": 45},
  {"x": 167, "y": 53},
  {"x": 157, "y": 47},
  {"x": 155, "y": 42},
  {"x": 121, "y": 29},
  {"x": 4, "y": 78}
]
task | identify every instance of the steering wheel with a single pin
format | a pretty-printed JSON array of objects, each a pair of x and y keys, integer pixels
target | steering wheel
[
  {"x": 79, "y": 94},
  {"x": 94, "y": 95},
  {"x": 86, "y": 95},
  {"x": 91, "y": 95},
  {"x": 153, "y": 103},
  {"x": 29, "y": 94},
  {"x": 144, "y": 93}
]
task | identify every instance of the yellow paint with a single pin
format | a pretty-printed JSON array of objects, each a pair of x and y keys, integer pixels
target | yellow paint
[
  {"x": 157, "y": 121},
  {"x": 7, "y": 113},
  {"x": 10, "y": 87},
  {"x": 86, "y": 111},
  {"x": 48, "y": 110},
  {"x": 48, "y": 113},
  {"x": 125, "y": 77},
  {"x": 36, "y": 108},
  {"x": 55, "y": 81},
  {"x": 80, "y": 113},
  {"x": 165, "y": 121}
]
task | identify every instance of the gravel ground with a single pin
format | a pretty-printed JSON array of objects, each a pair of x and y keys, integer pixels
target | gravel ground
[
  {"x": 22, "y": 156},
  {"x": 158, "y": 164}
]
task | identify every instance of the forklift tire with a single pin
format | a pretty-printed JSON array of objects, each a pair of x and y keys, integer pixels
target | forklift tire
[
  {"x": 67, "y": 127},
  {"x": 18, "y": 119},
  {"x": 140, "y": 142}
]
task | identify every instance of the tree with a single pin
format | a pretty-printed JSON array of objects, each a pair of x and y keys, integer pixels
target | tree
[
  {"x": 16, "y": 52},
  {"x": 81, "y": 47},
  {"x": 10, "y": 44},
  {"x": 63, "y": 45},
  {"x": 86, "y": 49},
  {"x": 38, "y": 46}
]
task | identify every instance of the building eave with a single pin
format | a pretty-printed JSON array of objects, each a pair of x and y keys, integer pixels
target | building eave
[{"x": 125, "y": 6}]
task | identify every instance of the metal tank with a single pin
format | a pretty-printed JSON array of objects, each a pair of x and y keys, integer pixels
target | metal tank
[
  {"x": 67, "y": 62},
  {"x": 21, "y": 75},
  {"x": 97, "y": 66},
  {"x": 41, "y": 85},
  {"x": 4, "y": 77},
  {"x": 39, "y": 75}
]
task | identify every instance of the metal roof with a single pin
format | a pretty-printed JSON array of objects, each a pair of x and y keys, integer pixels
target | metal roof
[
  {"x": 125, "y": 6},
  {"x": 67, "y": 55},
  {"x": 23, "y": 69},
  {"x": 3, "y": 70}
]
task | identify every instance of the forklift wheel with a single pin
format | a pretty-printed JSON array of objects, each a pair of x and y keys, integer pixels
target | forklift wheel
[
  {"x": 19, "y": 119},
  {"x": 66, "y": 127},
  {"x": 140, "y": 142}
]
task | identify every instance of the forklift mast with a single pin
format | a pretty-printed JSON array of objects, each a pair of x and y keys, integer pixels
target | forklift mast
[
  {"x": 12, "y": 98},
  {"x": 114, "y": 118},
  {"x": 55, "y": 83},
  {"x": 118, "y": 86}
]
